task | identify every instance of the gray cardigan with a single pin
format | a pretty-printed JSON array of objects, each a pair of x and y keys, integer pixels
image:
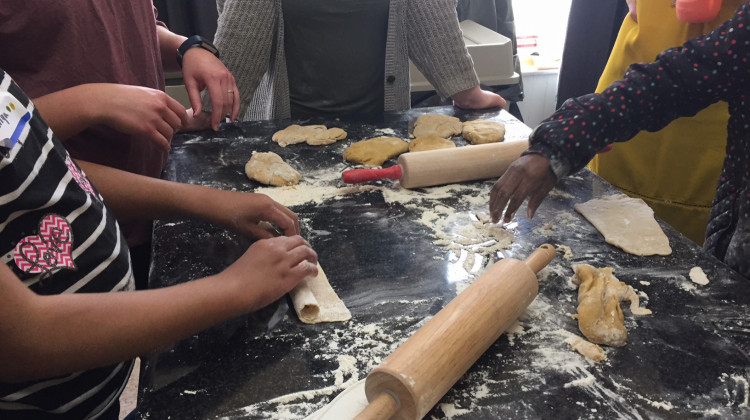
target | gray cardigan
[{"x": 250, "y": 37}]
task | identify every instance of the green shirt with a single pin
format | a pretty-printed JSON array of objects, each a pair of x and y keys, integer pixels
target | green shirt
[{"x": 335, "y": 53}]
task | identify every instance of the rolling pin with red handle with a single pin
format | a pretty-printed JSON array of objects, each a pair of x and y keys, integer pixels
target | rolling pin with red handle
[
  {"x": 419, "y": 372},
  {"x": 445, "y": 166}
]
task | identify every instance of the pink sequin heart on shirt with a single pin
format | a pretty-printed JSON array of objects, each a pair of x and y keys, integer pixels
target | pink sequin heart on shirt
[{"x": 49, "y": 250}]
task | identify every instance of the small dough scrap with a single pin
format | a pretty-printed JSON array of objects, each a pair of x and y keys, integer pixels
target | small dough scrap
[
  {"x": 600, "y": 317},
  {"x": 314, "y": 135},
  {"x": 270, "y": 169},
  {"x": 444, "y": 126},
  {"x": 375, "y": 151},
  {"x": 627, "y": 223},
  {"x": 315, "y": 301},
  {"x": 587, "y": 349},
  {"x": 698, "y": 276},
  {"x": 484, "y": 131},
  {"x": 430, "y": 142}
]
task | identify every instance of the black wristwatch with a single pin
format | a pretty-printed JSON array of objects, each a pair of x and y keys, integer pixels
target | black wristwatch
[{"x": 195, "y": 41}]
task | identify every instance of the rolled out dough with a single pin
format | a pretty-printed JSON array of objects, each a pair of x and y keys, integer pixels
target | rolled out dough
[
  {"x": 430, "y": 142},
  {"x": 483, "y": 131},
  {"x": 315, "y": 301},
  {"x": 270, "y": 169},
  {"x": 627, "y": 223},
  {"x": 374, "y": 152},
  {"x": 442, "y": 125},
  {"x": 600, "y": 317},
  {"x": 314, "y": 135}
]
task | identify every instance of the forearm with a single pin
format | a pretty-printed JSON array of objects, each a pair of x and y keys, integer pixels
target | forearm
[
  {"x": 83, "y": 331},
  {"x": 70, "y": 111},
  {"x": 437, "y": 48},
  {"x": 132, "y": 196},
  {"x": 169, "y": 42}
]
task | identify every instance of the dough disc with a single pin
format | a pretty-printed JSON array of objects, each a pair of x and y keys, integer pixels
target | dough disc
[
  {"x": 441, "y": 125},
  {"x": 315, "y": 135},
  {"x": 483, "y": 131},
  {"x": 270, "y": 169},
  {"x": 430, "y": 142},
  {"x": 374, "y": 152}
]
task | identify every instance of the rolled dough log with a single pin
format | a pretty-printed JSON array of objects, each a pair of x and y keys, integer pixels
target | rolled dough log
[
  {"x": 600, "y": 317},
  {"x": 483, "y": 131},
  {"x": 442, "y": 125},
  {"x": 430, "y": 142},
  {"x": 270, "y": 169},
  {"x": 315, "y": 301},
  {"x": 374, "y": 152},
  {"x": 627, "y": 223},
  {"x": 315, "y": 135}
]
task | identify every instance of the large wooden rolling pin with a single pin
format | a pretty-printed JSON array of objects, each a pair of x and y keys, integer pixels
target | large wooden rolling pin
[
  {"x": 445, "y": 166},
  {"x": 419, "y": 372}
]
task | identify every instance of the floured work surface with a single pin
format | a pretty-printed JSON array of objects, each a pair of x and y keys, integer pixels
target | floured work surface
[{"x": 395, "y": 257}]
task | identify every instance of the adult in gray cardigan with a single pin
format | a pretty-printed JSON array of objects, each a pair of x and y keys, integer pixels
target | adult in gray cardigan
[{"x": 300, "y": 58}]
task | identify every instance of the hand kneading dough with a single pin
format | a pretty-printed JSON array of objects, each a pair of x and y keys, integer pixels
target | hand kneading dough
[
  {"x": 442, "y": 125},
  {"x": 315, "y": 301},
  {"x": 314, "y": 135},
  {"x": 268, "y": 168},
  {"x": 483, "y": 131},
  {"x": 626, "y": 223},
  {"x": 430, "y": 142},
  {"x": 600, "y": 317},
  {"x": 374, "y": 152}
]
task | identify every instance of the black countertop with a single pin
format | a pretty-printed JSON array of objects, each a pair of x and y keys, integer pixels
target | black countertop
[{"x": 396, "y": 257}]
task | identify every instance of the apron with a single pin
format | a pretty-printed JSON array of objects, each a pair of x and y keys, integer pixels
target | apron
[{"x": 674, "y": 170}]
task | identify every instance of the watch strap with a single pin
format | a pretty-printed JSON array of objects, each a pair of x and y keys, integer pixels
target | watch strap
[{"x": 196, "y": 41}]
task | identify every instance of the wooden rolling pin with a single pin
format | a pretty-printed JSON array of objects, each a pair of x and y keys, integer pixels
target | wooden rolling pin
[
  {"x": 419, "y": 372},
  {"x": 445, "y": 166}
]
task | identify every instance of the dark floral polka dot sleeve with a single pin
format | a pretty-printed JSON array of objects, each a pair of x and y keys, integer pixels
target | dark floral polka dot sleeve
[{"x": 681, "y": 82}]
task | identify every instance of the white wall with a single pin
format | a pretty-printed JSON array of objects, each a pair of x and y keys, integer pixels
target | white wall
[{"x": 547, "y": 20}]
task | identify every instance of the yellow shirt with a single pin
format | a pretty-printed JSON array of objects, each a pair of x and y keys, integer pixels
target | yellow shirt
[{"x": 674, "y": 170}]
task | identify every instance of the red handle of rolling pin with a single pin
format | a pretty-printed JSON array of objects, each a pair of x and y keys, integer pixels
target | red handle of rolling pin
[{"x": 355, "y": 176}]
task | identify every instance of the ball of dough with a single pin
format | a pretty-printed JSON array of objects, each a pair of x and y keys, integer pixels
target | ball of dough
[
  {"x": 270, "y": 169},
  {"x": 483, "y": 131},
  {"x": 430, "y": 142},
  {"x": 442, "y": 125},
  {"x": 314, "y": 135},
  {"x": 374, "y": 152}
]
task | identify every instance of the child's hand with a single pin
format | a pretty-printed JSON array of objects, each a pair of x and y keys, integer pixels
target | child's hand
[
  {"x": 528, "y": 177},
  {"x": 241, "y": 212},
  {"x": 270, "y": 268}
]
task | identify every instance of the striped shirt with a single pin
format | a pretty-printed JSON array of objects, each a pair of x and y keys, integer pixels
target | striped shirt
[{"x": 58, "y": 237}]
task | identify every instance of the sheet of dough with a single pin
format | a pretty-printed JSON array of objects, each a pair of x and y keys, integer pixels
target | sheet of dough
[
  {"x": 627, "y": 223},
  {"x": 315, "y": 301},
  {"x": 346, "y": 406}
]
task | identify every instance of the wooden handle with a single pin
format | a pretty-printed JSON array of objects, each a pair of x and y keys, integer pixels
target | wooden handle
[
  {"x": 356, "y": 176},
  {"x": 540, "y": 257},
  {"x": 382, "y": 407},
  {"x": 467, "y": 163},
  {"x": 425, "y": 367}
]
